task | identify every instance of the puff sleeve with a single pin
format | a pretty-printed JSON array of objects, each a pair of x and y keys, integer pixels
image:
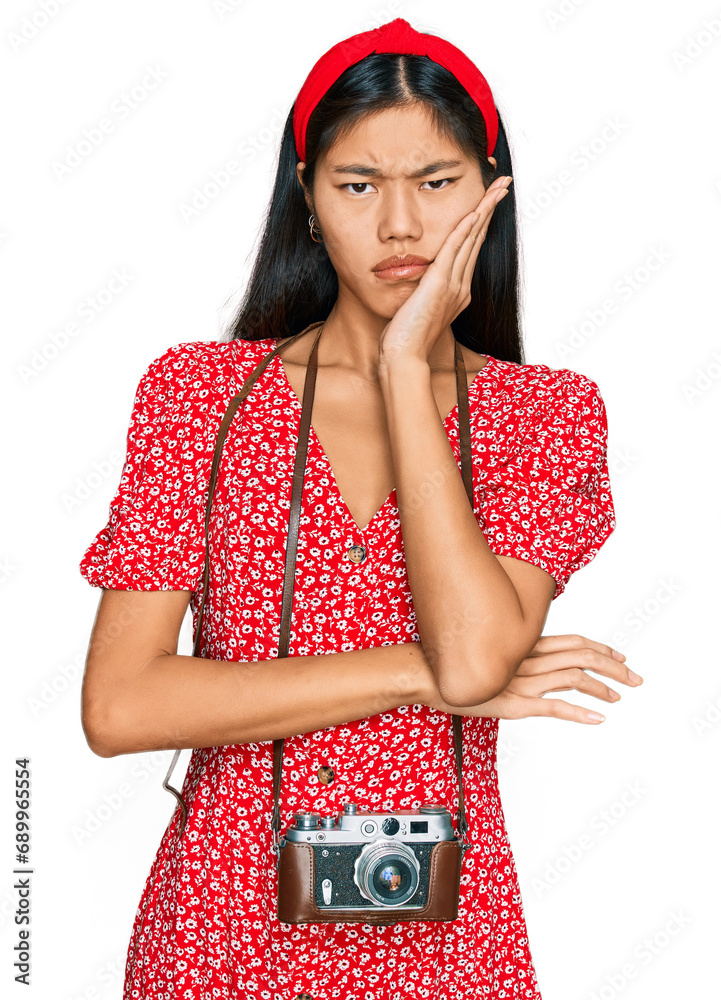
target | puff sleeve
[
  {"x": 154, "y": 538},
  {"x": 548, "y": 498}
]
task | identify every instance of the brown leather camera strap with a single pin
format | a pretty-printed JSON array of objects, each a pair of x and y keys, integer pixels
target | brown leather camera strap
[{"x": 292, "y": 545}]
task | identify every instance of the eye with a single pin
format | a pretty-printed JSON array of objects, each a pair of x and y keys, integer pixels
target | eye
[{"x": 355, "y": 185}]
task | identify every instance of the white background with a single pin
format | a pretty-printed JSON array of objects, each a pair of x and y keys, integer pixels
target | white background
[{"x": 613, "y": 827}]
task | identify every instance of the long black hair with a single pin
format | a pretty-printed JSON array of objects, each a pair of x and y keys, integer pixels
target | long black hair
[{"x": 293, "y": 282}]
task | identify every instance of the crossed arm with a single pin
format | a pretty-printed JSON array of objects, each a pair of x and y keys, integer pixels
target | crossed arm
[{"x": 138, "y": 694}]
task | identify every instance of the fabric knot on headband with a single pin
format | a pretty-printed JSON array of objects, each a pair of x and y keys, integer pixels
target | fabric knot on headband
[{"x": 397, "y": 37}]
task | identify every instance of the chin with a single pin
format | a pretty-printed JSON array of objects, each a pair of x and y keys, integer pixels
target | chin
[{"x": 384, "y": 310}]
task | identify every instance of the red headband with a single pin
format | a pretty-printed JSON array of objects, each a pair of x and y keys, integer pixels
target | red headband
[{"x": 399, "y": 37}]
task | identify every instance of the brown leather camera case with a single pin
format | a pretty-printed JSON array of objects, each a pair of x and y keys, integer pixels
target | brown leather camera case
[{"x": 296, "y": 879}]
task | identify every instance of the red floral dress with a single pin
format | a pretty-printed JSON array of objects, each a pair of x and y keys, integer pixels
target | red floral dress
[{"x": 206, "y": 926}]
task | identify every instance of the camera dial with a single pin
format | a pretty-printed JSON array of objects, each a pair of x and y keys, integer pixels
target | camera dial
[{"x": 306, "y": 820}]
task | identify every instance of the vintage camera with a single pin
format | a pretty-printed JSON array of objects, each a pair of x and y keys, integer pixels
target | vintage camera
[{"x": 362, "y": 858}]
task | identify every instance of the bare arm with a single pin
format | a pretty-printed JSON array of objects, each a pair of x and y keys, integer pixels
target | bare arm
[
  {"x": 139, "y": 694},
  {"x": 479, "y": 615}
]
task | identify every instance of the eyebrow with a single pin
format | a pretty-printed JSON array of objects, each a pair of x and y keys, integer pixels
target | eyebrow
[{"x": 365, "y": 171}]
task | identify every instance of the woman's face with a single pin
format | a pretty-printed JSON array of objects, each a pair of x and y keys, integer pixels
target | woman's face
[{"x": 392, "y": 186}]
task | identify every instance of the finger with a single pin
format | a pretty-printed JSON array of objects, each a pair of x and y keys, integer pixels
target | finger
[
  {"x": 468, "y": 255},
  {"x": 568, "y": 679},
  {"x": 454, "y": 243},
  {"x": 460, "y": 251},
  {"x": 492, "y": 195},
  {"x": 556, "y": 708},
  {"x": 465, "y": 260},
  {"x": 477, "y": 239},
  {"x": 584, "y": 657},
  {"x": 460, "y": 238},
  {"x": 551, "y": 643}
]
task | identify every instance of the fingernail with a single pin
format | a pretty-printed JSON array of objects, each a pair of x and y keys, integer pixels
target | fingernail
[
  {"x": 635, "y": 677},
  {"x": 618, "y": 656},
  {"x": 595, "y": 716}
]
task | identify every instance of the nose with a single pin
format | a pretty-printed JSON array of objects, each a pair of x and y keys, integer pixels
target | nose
[{"x": 399, "y": 214}]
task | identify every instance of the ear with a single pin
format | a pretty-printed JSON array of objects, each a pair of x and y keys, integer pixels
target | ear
[{"x": 299, "y": 171}]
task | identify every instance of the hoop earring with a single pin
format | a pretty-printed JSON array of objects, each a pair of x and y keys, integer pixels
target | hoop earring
[{"x": 311, "y": 223}]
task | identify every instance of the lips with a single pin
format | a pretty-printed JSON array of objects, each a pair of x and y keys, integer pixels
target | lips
[{"x": 396, "y": 261}]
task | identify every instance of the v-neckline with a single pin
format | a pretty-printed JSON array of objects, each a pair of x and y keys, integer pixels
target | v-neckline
[{"x": 290, "y": 391}]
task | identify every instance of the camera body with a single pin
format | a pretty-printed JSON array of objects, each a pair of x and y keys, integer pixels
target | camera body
[{"x": 364, "y": 858}]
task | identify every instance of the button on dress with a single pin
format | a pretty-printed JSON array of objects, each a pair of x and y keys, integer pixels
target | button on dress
[{"x": 206, "y": 926}]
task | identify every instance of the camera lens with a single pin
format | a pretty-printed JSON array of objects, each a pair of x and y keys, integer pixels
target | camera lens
[
  {"x": 391, "y": 880},
  {"x": 387, "y": 873}
]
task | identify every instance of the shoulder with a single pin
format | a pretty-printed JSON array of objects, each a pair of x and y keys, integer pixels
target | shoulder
[
  {"x": 556, "y": 420},
  {"x": 544, "y": 393},
  {"x": 183, "y": 393},
  {"x": 202, "y": 368},
  {"x": 551, "y": 422}
]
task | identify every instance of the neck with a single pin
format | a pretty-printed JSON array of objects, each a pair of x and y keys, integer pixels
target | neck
[{"x": 352, "y": 334}]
